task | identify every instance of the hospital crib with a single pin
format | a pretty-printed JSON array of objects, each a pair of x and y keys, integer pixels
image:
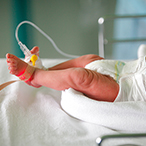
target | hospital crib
[{"x": 102, "y": 42}]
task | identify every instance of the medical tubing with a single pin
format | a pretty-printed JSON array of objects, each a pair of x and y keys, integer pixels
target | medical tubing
[{"x": 24, "y": 48}]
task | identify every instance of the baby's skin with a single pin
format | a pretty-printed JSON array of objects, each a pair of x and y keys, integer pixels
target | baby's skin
[{"x": 69, "y": 74}]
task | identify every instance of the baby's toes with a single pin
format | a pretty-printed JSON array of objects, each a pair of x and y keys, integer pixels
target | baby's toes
[
  {"x": 35, "y": 50},
  {"x": 11, "y": 61},
  {"x": 12, "y": 67}
]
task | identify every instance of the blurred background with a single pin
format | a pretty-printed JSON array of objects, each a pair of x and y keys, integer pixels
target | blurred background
[{"x": 72, "y": 24}]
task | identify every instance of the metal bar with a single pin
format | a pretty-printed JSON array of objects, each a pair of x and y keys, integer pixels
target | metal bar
[
  {"x": 100, "y": 140},
  {"x": 109, "y": 17},
  {"x": 125, "y": 40},
  {"x": 101, "y": 37}
]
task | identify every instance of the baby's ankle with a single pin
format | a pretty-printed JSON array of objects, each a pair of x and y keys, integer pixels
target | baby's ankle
[{"x": 33, "y": 81}]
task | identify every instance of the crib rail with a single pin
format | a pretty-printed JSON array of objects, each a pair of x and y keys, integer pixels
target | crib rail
[
  {"x": 103, "y": 138},
  {"x": 102, "y": 41}
]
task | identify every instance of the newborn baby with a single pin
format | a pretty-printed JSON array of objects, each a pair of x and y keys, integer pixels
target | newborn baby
[{"x": 95, "y": 77}]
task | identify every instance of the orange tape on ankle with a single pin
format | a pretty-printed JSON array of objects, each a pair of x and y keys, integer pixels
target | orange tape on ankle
[{"x": 28, "y": 73}]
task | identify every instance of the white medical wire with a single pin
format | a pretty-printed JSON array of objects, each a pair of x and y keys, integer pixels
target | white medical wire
[{"x": 43, "y": 33}]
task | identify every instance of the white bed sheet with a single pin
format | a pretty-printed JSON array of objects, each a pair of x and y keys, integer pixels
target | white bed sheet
[{"x": 34, "y": 117}]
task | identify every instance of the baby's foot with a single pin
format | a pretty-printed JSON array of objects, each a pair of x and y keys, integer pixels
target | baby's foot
[
  {"x": 15, "y": 65},
  {"x": 35, "y": 50}
]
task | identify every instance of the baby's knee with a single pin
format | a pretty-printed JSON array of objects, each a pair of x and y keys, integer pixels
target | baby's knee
[{"x": 81, "y": 77}]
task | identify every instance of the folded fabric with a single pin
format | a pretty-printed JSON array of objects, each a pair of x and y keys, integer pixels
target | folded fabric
[{"x": 124, "y": 116}]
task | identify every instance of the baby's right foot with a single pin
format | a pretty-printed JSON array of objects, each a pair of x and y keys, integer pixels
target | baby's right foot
[{"x": 35, "y": 50}]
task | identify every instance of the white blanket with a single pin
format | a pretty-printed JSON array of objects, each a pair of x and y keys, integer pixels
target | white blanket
[
  {"x": 123, "y": 116},
  {"x": 34, "y": 117}
]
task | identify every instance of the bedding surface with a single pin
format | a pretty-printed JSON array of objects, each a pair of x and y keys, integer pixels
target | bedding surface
[
  {"x": 34, "y": 117},
  {"x": 121, "y": 116}
]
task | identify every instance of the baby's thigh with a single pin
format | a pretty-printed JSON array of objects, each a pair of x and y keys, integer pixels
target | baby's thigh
[{"x": 101, "y": 87}]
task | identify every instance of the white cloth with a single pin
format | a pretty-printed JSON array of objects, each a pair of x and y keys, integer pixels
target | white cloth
[
  {"x": 141, "y": 51},
  {"x": 124, "y": 116}
]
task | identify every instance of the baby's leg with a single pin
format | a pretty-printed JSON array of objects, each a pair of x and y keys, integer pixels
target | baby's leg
[
  {"x": 94, "y": 85},
  {"x": 91, "y": 83}
]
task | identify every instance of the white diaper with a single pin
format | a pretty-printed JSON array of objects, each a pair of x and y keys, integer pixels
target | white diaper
[{"x": 130, "y": 76}]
